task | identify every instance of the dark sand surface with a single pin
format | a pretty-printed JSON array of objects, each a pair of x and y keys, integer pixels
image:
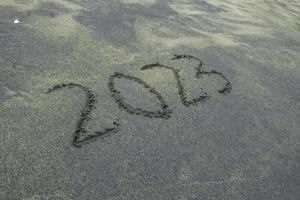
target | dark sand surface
[{"x": 240, "y": 144}]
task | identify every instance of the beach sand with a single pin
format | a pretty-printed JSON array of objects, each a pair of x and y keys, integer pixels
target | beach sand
[{"x": 243, "y": 144}]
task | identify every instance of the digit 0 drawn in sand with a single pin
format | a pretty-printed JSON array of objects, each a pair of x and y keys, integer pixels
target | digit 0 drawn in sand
[
  {"x": 85, "y": 115},
  {"x": 165, "y": 113}
]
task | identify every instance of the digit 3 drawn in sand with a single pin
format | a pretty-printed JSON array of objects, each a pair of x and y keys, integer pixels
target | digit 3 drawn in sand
[
  {"x": 165, "y": 113},
  {"x": 85, "y": 115},
  {"x": 199, "y": 72}
]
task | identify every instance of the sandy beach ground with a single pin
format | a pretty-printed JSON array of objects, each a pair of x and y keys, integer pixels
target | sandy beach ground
[{"x": 149, "y": 142}]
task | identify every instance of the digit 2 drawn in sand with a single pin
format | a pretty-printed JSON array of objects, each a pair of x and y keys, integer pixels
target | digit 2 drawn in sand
[
  {"x": 85, "y": 115},
  {"x": 180, "y": 86},
  {"x": 116, "y": 94}
]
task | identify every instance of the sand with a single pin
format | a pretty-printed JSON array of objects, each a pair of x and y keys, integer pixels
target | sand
[{"x": 110, "y": 130}]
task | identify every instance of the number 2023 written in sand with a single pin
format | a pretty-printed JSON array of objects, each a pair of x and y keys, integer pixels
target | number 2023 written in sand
[{"x": 164, "y": 113}]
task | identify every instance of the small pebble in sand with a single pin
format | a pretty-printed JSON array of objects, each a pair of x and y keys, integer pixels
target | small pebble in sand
[{"x": 16, "y": 21}]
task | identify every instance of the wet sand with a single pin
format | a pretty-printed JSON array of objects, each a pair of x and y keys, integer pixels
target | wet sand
[{"x": 92, "y": 105}]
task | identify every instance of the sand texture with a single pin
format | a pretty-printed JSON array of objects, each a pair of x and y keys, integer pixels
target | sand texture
[{"x": 149, "y": 99}]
